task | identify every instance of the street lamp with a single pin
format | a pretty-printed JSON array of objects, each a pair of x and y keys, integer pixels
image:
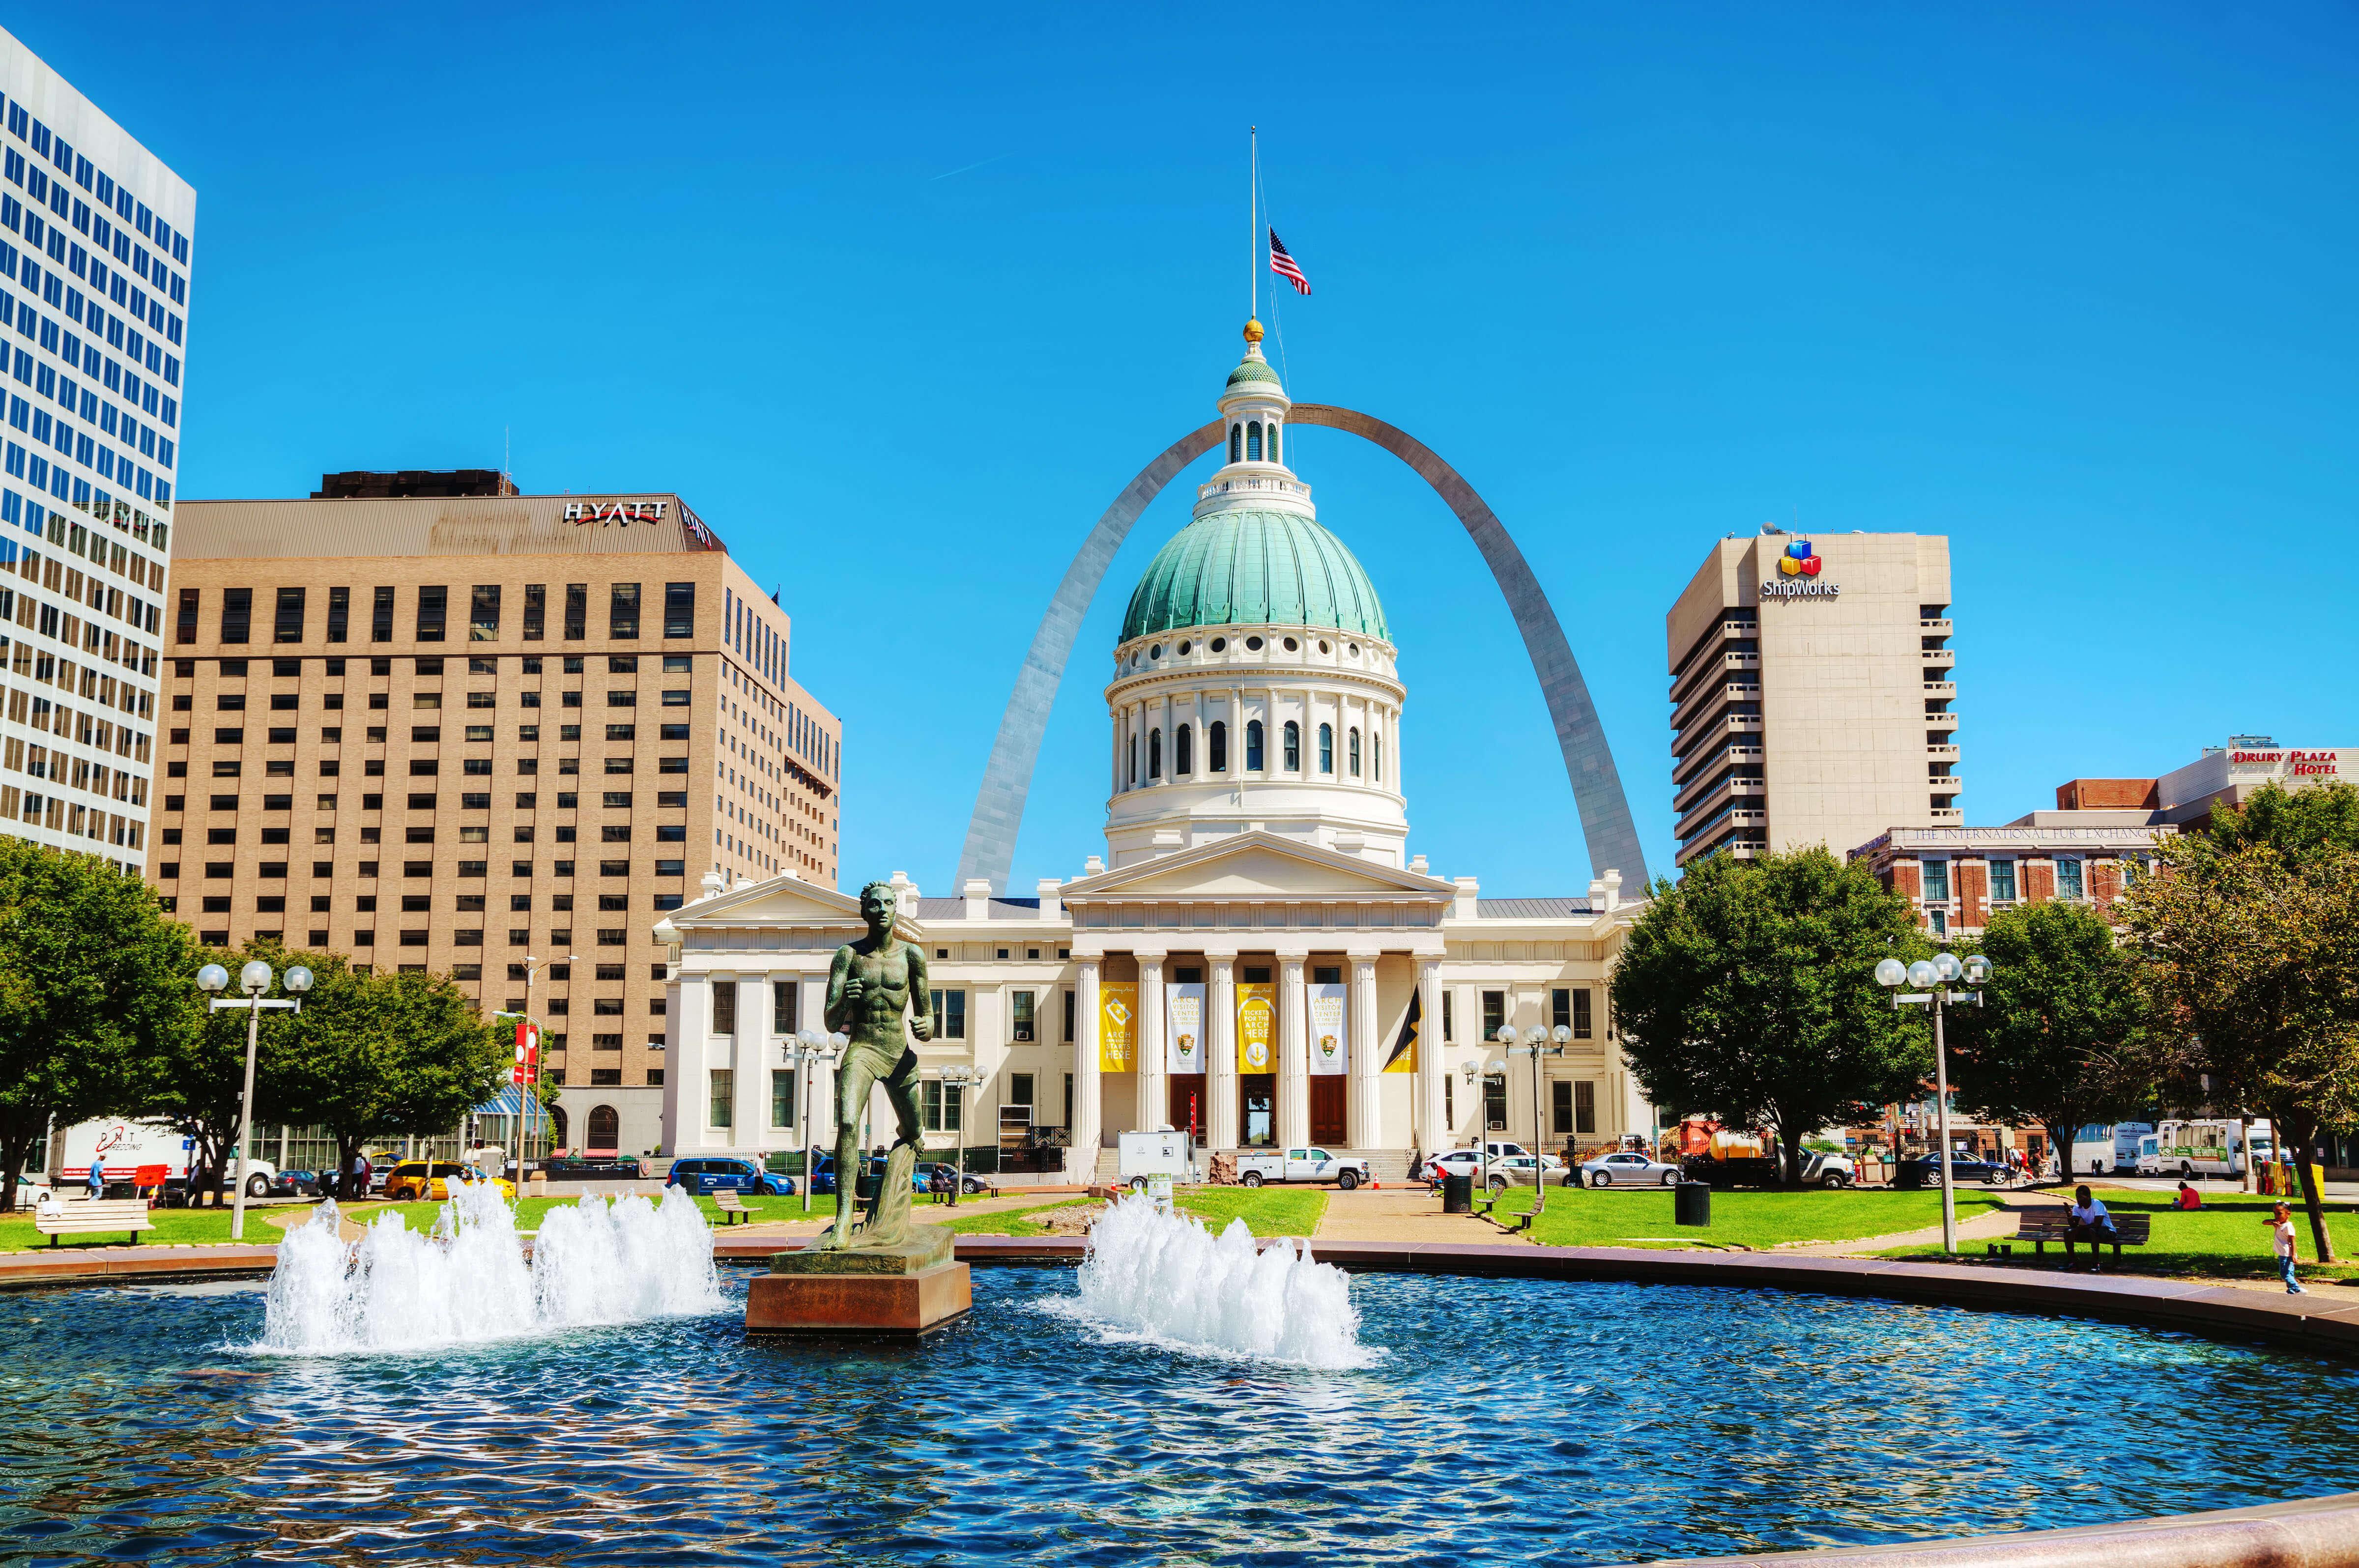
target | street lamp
[
  {"x": 1932, "y": 977},
  {"x": 532, "y": 968},
  {"x": 806, "y": 1049},
  {"x": 956, "y": 1080},
  {"x": 1538, "y": 1043},
  {"x": 253, "y": 980}
]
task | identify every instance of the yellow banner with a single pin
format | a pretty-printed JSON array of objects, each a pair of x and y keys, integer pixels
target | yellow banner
[
  {"x": 1256, "y": 1026},
  {"x": 1117, "y": 1026}
]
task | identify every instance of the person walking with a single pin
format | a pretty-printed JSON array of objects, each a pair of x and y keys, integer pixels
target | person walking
[
  {"x": 2280, "y": 1223},
  {"x": 97, "y": 1177}
]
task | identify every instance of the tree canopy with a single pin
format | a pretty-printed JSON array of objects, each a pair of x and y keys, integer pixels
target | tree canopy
[
  {"x": 1747, "y": 989},
  {"x": 94, "y": 981}
]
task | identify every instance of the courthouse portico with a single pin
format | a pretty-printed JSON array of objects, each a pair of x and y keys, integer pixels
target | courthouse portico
[{"x": 1256, "y": 956}]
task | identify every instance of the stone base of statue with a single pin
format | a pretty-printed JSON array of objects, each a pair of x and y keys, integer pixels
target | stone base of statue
[{"x": 909, "y": 1289}]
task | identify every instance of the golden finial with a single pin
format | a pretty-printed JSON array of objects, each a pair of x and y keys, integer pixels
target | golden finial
[{"x": 1253, "y": 330}]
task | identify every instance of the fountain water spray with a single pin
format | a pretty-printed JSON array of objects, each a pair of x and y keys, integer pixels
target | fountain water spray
[
  {"x": 1165, "y": 1278},
  {"x": 595, "y": 1262}
]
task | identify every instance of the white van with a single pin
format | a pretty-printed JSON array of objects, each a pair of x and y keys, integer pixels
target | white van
[
  {"x": 2207, "y": 1146},
  {"x": 2100, "y": 1147}
]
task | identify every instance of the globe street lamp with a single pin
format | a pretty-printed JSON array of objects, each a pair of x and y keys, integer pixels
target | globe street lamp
[
  {"x": 956, "y": 1080},
  {"x": 806, "y": 1049},
  {"x": 1538, "y": 1043},
  {"x": 253, "y": 980},
  {"x": 1932, "y": 977}
]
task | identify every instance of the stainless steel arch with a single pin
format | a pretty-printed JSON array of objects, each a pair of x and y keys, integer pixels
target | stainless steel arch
[{"x": 1605, "y": 822}]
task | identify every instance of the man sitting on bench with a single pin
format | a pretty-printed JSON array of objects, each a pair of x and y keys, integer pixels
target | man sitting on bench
[{"x": 2092, "y": 1224}]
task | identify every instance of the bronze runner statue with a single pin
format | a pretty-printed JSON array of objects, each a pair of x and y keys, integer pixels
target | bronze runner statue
[{"x": 869, "y": 984}]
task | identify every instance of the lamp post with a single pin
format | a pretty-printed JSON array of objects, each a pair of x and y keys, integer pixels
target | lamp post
[
  {"x": 253, "y": 980},
  {"x": 532, "y": 968},
  {"x": 806, "y": 1049},
  {"x": 1933, "y": 976},
  {"x": 956, "y": 1080},
  {"x": 1538, "y": 1043}
]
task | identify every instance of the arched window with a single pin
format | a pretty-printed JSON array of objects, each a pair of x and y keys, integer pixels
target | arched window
[
  {"x": 1237, "y": 442},
  {"x": 1253, "y": 745},
  {"x": 605, "y": 1128},
  {"x": 1326, "y": 748},
  {"x": 1253, "y": 441},
  {"x": 1273, "y": 441},
  {"x": 1293, "y": 747},
  {"x": 1216, "y": 746},
  {"x": 1155, "y": 754},
  {"x": 1183, "y": 750},
  {"x": 1356, "y": 750},
  {"x": 1134, "y": 759}
]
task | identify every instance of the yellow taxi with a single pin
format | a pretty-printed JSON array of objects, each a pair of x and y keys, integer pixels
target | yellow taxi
[{"x": 414, "y": 1179}]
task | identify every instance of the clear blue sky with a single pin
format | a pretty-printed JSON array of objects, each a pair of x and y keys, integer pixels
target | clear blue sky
[{"x": 2071, "y": 284}]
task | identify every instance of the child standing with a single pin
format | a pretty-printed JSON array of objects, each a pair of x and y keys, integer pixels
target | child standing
[{"x": 2281, "y": 1237}]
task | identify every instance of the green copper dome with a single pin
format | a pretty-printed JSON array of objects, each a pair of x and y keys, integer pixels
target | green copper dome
[
  {"x": 1252, "y": 370},
  {"x": 1254, "y": 568}
]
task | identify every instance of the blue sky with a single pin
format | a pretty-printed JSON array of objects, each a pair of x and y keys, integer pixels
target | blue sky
[{"x": 2071, "y": 284}]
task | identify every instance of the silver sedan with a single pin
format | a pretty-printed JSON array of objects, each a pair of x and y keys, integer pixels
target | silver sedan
[{"x": 1628, "y": 1171}]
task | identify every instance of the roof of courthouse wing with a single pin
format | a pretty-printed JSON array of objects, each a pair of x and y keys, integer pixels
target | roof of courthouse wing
[
  {"x": 637, "y": 522},
  {"x": 998, "y": 909},
  {"x": 1531, "y": 908}
]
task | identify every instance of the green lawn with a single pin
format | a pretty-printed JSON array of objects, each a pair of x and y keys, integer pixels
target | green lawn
[
  {"x": 1267, "y": 1211},
  {"x": 2226, "y": 1239},
  {"x": 1580, "y": 1217}
]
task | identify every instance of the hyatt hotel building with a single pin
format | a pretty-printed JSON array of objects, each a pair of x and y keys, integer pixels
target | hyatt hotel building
[{"x": 427, "y": 722}]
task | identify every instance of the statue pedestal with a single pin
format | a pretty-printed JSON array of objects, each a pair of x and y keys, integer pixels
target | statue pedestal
[{"x": 911, "y": 1289}]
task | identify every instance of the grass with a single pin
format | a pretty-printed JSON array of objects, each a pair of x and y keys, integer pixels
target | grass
[
  {"x": 1580, "y": 1217},
  {"x": 2225, "y": 1239}
]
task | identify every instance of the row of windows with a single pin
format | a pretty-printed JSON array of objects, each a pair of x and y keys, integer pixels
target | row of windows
[
  {"x": 432, "y": 734},
  {"x": 42, "y": 236},
  {"x": 423, "y": 903},
  {"x": 94, "y": 823},
  {"x": 1244, "y": 442},
  {"x": 567, "y": 800},
  {"x": 430, "y": 613},
  {"x": 420, "y": 936},
  {"x": 2071, "y": 880},
  {"x": 1216, "y": 739},
  {"x": 431, "y": 665},
  {"x": 275, "y": 870},
  {"x": 430, "y": 701},
  {"x": 610, "y": 833},
  {"x": 111, "y": 197}
]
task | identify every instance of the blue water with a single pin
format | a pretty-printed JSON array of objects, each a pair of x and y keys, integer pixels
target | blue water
[{"x": 1510, "y": 1422}]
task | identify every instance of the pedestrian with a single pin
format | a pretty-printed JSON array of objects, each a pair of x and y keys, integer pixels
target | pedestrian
[
  {"x": 2281, "y": 1237},
  {"x": 2189, "y": 1197},
  {"x": 2091, "y": 1223},
  {"x": 97, "y": 1177},
  {"x": 360, "y": 1183}
]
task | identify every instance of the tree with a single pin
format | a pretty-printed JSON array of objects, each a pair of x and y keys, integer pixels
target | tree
[
  {"x": 92, "y": 979},
  {"x": 378, "y": 1056},
  {"x": 193, "y": 1080},
  {"x": 2251, "y": 958},
  {"x": 1748, "y": 990},
  {"x": 2057, "y": 1039},
  {"x": 2298, "y": 824}
]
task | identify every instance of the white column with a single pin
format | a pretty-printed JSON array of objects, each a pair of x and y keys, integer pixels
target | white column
[
  {"x": 1154, "y": 1107},
  {"x": 1081, "y": 1160},
  {"x": 754, "y": 1057},
  {"x": 685, "y": 1092},
  {"x": 1432, "y": 1132},
  {"x": 1221, "y": 1108},
  {"x": 1365, "y": 1121},
  {"x": 1293, "y": 1055}
]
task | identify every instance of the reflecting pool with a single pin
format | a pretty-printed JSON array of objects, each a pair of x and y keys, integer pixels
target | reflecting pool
[{"x": 1492, "y": 1422}]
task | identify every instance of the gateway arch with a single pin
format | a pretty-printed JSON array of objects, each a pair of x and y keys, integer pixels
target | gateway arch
[{"x": 1611, "y": 837}]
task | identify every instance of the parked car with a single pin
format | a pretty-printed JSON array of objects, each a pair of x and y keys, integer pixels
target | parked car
[
  {"x": 1301, "y": 1165},
  {"x": 1827, "y": 1170},
  {"x": 1925, "y": 1170},
  {"x": 294, "y": 1185},
  {"x": 1628, "y": 1169},
  {"x": 592, "y": 1168},
  {"x": 1524, "y": 1171},
  {"x": 413, "y": 1180},
  {"x": 968, "y": 1184},
  {"x": 712, "y": 1173}
]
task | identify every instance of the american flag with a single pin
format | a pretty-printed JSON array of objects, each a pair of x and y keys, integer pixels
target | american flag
[{"x": 1283, "y": 265}]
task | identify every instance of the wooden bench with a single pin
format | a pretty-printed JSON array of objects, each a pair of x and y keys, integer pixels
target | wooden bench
[
  {"x": 93, "y": 1215},
  {"x": 731, "y": 1207},
  {"x": 2044, "y": 1225}
]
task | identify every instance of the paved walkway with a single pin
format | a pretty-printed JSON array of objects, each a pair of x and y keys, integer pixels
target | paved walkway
[{"x": 1401, "y": 1214}]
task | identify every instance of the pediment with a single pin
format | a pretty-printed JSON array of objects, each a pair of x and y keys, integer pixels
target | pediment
[
  {"x": 1258, "y": 865},
  {"x": 783, "y": 903}
]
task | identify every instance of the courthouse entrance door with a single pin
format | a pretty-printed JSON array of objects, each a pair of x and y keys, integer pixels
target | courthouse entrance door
[
  {"x": 1190, "y": 1104},
  {"x": 1256, "y": 1110},
  {"x": 1327, "y": 1108}
]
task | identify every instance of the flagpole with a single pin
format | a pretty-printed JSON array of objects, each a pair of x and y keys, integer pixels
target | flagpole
[{"x": 1252, "y": 221}]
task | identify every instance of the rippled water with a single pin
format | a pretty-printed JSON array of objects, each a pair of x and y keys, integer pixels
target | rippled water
[{"x": 1510, "y": 1422}]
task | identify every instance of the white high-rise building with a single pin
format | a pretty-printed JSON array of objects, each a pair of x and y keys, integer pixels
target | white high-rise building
[{"x": 94, "y": 251}]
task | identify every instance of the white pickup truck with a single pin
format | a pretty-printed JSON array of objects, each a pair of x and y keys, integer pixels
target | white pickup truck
[{"x": 1300, "y": 1165}]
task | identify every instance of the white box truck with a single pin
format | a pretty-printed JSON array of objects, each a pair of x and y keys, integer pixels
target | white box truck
[
  {"x": 1145, "y": 1155},
  {"x": 2207, "y": 1146},
  {"x": 125, "y": 1146}
]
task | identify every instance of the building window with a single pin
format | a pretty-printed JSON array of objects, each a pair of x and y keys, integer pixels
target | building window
[
  {"x": 1154, "y": 754},
  {"x": 2068, "y": 879},
  {"x": 724, "y": 1006},
  {"x": 1293, "y": 747},
  {"x": 950, "y": 1015},
  {"x": 1356, "y": 750},
  {"x": 1236, "y": 443},
  {"x": 288, "y": 625},
  {"x": 1326, "y": 748},
  {"x": 1253, "y": 441},
  {"x": 1020, "y": 1024},
  {"x": 786, "y": 1004},
  {"x": 782, "y": 1097},
  {"x": 1560, "y": 1108},
  {"x": 1583, "y": 1027},
  {"x": 1253, "y": 745},
  {"x": 577, "y": 611},
  {"x": 1376, "y": 759},
  {"x": 1449, "y": 1097},
  {"x": 724, "y": 1088},
  {"x": 433, "y": 612},
  {"x": 2002, "y": 880},
  {"x": 1216, "y": 747},
  {"x": 680, "y": 609},
  {"x": 188, "y": 619},
  {"x": 340, "y": 613},
  {"x": 483, "y": 618},
  {"x": 535, "y": 611},
  {"x": 1584, "y": 1108},
  {"x": 1937, "y": 881},
  {"x": 943, "y": 1105},
  {"x": 1069, "y": 1010},
  {"x": 1183, "y": 750},
  {"x": 1560, "y": 1008},
  {"x": 1449, "y": 1018},
  {"x": 1495, "y": 1103},
  {"x": 1494, "y": 1013},
  {"x": 623, "y": 612},
  {"x": 381, "y": 615},
  {"x": 237, "y": 614}
]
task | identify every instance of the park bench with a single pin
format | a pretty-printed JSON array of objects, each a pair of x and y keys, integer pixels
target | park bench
[
  {"x": 2042, "y": 1226},
  {"x": 731, "y": 1205},
  {"x": 93, "y": 1215}
]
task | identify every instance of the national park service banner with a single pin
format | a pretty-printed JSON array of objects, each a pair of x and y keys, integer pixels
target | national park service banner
[
  {"x": 1256, "y": 1026},
  {"x": 1330, "y": 1050},
  {"x": 1117, "y": 1026},
  {"x": 1184, "y": 1027}
]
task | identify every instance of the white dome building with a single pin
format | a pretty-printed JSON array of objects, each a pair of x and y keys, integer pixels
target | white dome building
[{"x": 1257, "y": 958}]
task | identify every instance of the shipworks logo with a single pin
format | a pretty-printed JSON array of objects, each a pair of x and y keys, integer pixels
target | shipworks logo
[{"x": 1798, "y": 575}]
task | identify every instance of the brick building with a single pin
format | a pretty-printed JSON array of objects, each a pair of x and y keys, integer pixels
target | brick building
[
  {"x": 457, "y": 732},
  {"x": 1959, "y": 877}
]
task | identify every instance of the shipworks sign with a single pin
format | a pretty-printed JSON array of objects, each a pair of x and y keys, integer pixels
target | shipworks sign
[{"x": 1798, "y": 575}]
